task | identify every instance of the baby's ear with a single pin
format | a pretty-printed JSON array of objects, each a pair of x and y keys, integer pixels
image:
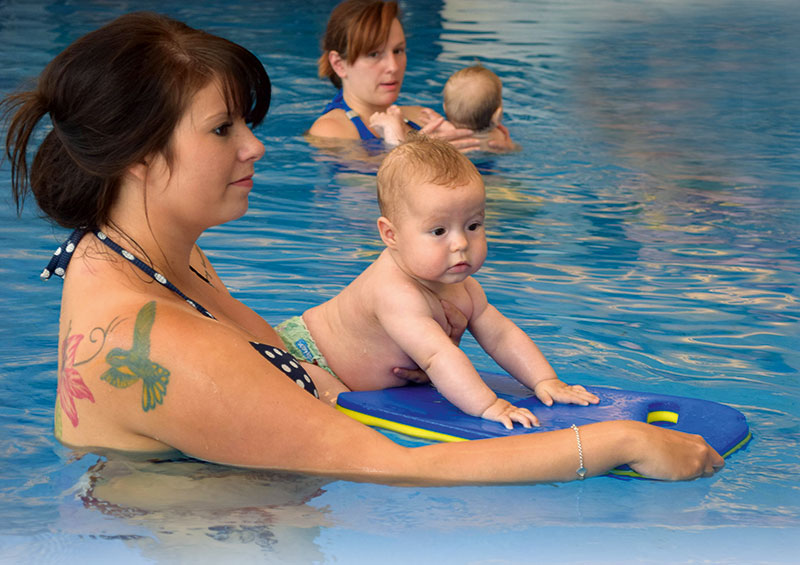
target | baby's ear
[
  {"x": 497, "y": 117},
  {"x": 387, "y": 231}
]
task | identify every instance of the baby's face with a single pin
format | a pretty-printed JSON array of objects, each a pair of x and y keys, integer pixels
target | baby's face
[{"x": 440, "y": 231}]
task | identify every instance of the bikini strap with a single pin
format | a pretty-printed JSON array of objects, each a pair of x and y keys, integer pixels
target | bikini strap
[
  {"x": 279, "y": 358},
  {"x": 60, "y": 259},
  {"x": 148, "y": 270},
  {"x": 58, "y": 264},
  {"x": 337, "y": 103}
]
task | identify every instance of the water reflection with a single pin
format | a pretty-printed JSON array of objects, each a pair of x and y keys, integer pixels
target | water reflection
[
  {"x": 646, "y": 236},
  {"x": 186, "y": 510}
]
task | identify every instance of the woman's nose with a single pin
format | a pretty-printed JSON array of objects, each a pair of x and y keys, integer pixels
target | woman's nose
[
  {"x": 252, "y": 149},
  {"x": 392, "y": 62}
]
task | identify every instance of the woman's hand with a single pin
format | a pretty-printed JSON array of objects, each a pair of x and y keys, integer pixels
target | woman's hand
[
  {"x": 504, "y": 143},
  {"x": 436, "y": 126},
  {"x": 671, "y": 455},
  {"x": 456, "y": 325}
]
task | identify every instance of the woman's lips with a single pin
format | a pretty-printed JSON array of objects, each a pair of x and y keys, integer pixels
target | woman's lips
[{"x": 244, "y": 182}]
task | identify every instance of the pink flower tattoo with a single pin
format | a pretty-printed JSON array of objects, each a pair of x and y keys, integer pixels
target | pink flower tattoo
[{"x": 70, "y": 383}]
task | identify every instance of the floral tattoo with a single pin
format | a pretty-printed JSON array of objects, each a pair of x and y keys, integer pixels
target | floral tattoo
[{"x": 71, "y": 386}]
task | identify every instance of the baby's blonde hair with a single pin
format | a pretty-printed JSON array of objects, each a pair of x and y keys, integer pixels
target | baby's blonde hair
[
  {"x": 420, "y": 159},
  {"x": 471, "y": 97}
]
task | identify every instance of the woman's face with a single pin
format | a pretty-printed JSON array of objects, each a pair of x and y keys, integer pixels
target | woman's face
[
  {"x": 213, "y": 163},
  {"x": 375, "y": 78}
]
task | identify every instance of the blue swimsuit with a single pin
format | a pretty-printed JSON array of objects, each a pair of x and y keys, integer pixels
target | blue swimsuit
[
  {"x": 338, "y": 103},
  {"x": 282, "y": 360}
]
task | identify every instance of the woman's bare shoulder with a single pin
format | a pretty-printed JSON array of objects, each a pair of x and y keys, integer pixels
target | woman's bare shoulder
[
  {"x": 334, "y": 124},
  {"x": 151, "y": 373}
]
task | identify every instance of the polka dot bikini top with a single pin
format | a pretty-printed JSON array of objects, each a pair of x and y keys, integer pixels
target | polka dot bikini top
[{"x": 281, "y": 359}]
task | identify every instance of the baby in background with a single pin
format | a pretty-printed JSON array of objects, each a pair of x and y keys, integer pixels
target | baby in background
[
  {"x": 472, "y": 99},
  {"x": 432, "y": 203}
]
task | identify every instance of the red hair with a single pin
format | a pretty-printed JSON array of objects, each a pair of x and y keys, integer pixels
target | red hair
[{"x": 355, "y": 28}]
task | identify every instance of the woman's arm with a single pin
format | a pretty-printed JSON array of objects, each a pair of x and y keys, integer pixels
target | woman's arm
[
  {"x": 553, "y": 456},
  {"x": 435, "y": 125},
  {"x": 225, "y": 403}
]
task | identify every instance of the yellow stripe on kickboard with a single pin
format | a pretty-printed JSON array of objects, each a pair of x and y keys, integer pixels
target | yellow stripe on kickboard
[{"x": 400, "y": 428}]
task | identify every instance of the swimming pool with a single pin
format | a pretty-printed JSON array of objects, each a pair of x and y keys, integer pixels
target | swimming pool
[{"x": 646, "y": 237}]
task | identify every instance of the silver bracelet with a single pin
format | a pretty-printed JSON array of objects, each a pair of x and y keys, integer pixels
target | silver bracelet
[{"x": 581, "y": 471}]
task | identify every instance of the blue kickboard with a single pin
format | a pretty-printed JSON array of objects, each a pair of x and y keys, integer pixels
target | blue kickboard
[{"x": 420, "y": 411}]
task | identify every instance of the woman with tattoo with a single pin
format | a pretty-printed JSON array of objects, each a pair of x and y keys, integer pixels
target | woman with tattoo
[{"x": 151, "y": 145}]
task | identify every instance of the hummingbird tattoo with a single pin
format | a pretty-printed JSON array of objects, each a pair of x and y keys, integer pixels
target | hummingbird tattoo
[{"x": 128, "y": 366}]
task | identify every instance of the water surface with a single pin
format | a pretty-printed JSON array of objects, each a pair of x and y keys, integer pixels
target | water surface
[{"x": 646, "y": 237}]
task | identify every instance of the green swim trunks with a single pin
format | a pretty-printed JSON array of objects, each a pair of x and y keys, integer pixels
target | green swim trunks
[{"x": 298, "y": 341}]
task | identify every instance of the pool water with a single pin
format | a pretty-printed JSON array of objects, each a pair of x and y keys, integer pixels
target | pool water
[{"x": 645, "y": 236}]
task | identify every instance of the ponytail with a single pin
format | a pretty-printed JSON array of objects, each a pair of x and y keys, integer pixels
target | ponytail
[
  {"x": 59, "y": 184},
  {"x": 27, "y": 109}
]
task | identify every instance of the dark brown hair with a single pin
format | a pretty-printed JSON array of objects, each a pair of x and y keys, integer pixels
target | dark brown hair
[
  {"x": 114, "y": 97},
  {"x": 355, "y": 28}
]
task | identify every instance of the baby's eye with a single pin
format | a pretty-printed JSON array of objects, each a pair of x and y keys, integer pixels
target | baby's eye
[
  {"x": 438, "y": 231},
  {"x": 473, "y": 226},
  {"x": 222, "y": 130}
]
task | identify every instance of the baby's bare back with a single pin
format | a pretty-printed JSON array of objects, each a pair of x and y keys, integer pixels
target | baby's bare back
[{"x": 347, "y": 331}]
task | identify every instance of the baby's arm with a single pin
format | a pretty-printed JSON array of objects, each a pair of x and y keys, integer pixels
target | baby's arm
[
  {"x": 407, "y": 318},
  {"x": 518, "y": 354},
  {"x": 389, "y": 125}
]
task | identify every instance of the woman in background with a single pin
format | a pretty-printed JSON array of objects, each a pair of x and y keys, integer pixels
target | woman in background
[{"x": 364, "y": 57}]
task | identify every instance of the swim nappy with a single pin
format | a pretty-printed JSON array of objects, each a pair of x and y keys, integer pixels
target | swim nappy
[{"x": 298, "y": 341}]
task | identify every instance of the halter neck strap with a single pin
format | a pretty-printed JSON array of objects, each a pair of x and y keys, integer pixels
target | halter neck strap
[{"x": 58, "y": 264}]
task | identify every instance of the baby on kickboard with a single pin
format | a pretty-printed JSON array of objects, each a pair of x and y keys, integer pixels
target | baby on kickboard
[{"x": 432, "y": 202}]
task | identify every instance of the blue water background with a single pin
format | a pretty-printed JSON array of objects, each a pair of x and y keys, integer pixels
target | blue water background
[{"x": 646, "y": 237}]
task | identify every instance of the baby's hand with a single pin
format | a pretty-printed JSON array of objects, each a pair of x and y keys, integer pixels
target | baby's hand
[
  {"x": 554, "y": 390},
  {"x": 506, "y": 413},
  {"x": 389, "y": 125}
]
